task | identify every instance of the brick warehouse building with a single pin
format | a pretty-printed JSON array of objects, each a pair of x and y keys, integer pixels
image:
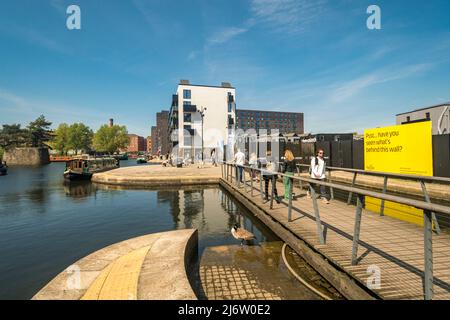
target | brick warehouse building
[
  {"x": 136, "y": 144},
  {"x": 285, "y": 122}
]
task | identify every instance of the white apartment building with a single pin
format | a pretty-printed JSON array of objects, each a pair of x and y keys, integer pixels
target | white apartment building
[{"x": 217, "y": 104}]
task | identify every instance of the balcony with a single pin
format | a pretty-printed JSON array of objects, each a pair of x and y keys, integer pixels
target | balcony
[
  {"x": 190, "y": 108},
  {"x": 175, "y": 100}
]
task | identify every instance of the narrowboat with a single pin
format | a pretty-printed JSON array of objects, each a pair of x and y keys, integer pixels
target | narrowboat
[
  {"x": 3, "y": 169},
  {"x": 83, "y": 169}
]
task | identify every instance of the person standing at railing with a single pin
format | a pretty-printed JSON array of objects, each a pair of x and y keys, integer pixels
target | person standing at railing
[
  {"x": 253, "y": 162},
  {"x": 239, "y": 160},
  {"x": 213, "y": 157},
  {"x": 317, "y": 170},
  {"x": 270, "y": 174},
  {"x": 289, "y": 168}
]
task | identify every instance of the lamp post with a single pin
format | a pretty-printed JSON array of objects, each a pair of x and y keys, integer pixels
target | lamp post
[{"x": 202, "y": 114}]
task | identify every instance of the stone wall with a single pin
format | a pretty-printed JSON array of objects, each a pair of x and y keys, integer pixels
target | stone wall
[{"x": 27, "y": 157}]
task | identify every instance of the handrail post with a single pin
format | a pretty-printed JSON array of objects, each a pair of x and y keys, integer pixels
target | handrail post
[
  {"x": 291, "y": 184},
  {"x": 317, "y": 215},
  {"x": 331, "y": 188},
  {"x": 261, "y": 186},
  {"x": 427, "y": 199},
  {"x": 251, "y": 183},
  {"x": 384, "y": 192},
  {"x": 300, "y": 180},
  {"x": 349, "y": 200},
  {"x": 245, "y": 182},
  {"x": 428, "y": 255},
  {"x": 357, "y": 229},
  {"x": 273, "y": 191}
]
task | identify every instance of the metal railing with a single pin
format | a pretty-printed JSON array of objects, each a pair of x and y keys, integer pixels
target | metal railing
[
  {"x": 230, "y": 173},
  {"x": 386, "y": 175}
]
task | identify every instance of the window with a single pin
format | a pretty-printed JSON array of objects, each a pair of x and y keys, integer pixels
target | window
[
  {"x": 186, "y": 103},
  {"x": 408, "y": 119},
  {"x": 186, "y": 94},
  {"x": 187, "y": 117},
  {"x": 230, "y": 107},
  {"x": 427, "y": 115}
]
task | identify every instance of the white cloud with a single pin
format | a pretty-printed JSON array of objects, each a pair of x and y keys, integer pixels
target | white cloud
[
  {"x": 291, "y": 16},
  {"x": 353, "y": 87},
  {"x": 226, "y": 35},
  {"x": 16, "y": 108}
]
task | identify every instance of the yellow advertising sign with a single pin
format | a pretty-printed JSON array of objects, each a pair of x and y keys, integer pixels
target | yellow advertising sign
[{"x": 405, "y": 149}]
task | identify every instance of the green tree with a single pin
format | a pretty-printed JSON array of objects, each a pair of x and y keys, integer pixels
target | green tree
[
  {"x": 12, "y": 136},
  {"x": 39, "y": 132},
  {"x": 111, "y": 139},
  {"x": 62, "y": 141},
  {"x": 80, "y": 137}
]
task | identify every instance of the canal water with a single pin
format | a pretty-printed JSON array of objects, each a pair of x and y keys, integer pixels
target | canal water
[{"x": 47, "y": 224}]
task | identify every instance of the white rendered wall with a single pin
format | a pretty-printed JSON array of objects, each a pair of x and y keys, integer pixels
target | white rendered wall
[{"x": 215, "y": 100}]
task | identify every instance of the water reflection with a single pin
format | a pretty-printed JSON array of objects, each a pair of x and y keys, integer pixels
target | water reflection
[
  {"x": 79, "y": 189},
  {"x": 47, "y": 224}
]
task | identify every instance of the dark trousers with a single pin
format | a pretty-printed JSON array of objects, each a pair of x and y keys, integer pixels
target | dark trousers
[
  {"x": 239, "y": 174},
  {"x": 323, "y": 191},
  {"x": 272, "y": 178}
]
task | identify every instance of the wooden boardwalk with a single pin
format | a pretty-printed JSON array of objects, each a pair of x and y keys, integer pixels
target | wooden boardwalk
[{"x": 394, "y": 246}]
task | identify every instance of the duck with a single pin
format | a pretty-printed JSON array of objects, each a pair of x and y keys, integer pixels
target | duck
[{"x": 241, "y": 234}]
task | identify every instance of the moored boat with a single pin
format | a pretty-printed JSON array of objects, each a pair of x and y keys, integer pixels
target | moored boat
[
  {"x": 3, "y": 169},
  {"x": 141, "y": 160},
  {"x": 121, "y": 156},
  {"x": 83, "y": 169}
]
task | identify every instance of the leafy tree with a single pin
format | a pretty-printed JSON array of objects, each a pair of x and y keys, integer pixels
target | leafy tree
[
  {"x": 111, "y": 139},
  {"x": 80, "y": 137},
  {"x": 39, "y": 132},
  {"x": 12, "y": 136},
  {"x": 62, "y": 141}
]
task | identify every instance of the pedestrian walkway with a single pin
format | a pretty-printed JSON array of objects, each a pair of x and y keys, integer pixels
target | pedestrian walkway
[{"x": 393, "y": 247}]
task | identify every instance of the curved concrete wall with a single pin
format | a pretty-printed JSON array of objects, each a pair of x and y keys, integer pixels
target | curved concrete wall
[{"x": 150, "y": 267}]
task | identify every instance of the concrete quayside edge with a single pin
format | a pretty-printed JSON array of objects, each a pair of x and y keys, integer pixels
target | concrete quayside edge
[{"x": 150, "y": 267}]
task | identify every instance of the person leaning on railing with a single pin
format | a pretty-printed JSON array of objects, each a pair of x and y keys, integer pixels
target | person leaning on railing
[
  {"x": 288, "y": 168},
  {"x": 253, "y": 162},
  {"x": 270, "y": 174},
  {"x": 317, "y": 171}
]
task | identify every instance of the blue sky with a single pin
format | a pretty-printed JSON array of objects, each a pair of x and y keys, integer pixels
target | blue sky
[{"x": 316, "y": 57}]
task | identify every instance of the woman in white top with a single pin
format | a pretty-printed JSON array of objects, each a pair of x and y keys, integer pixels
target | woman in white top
[
  {"x": 317, "y": 169},
  {"x": 239, "y": 160}
]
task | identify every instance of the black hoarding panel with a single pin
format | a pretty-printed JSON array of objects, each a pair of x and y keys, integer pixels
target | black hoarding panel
[
  {"x": 341, "y": 154},
  {"x": 358, "y": 154},
  {"x": 334, "y": 137},
  {"x": 441, "y": 155},
  {"x": 347, "y": 153},
  {"x": 307, "y": 151}
]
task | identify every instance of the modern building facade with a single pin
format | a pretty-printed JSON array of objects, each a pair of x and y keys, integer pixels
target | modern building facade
[
  {"x": 439, "y": 115},
  {"x": 285, "y": 122},
  {"x": 200, "y": 108}
]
